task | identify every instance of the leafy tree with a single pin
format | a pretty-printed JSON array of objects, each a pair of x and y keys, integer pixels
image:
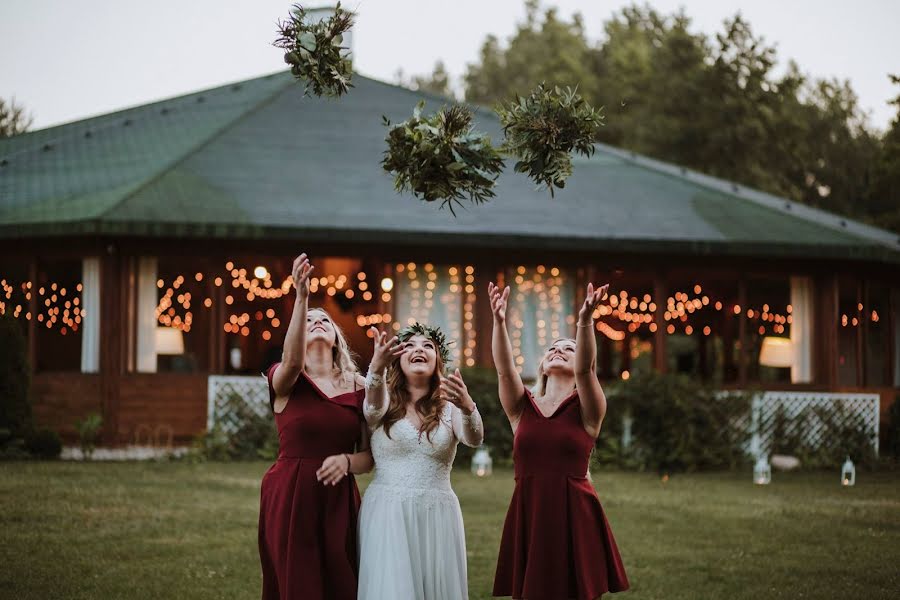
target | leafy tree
[
  {"x": 884, "y": 193},
  {"x": 13, "y": 119}
]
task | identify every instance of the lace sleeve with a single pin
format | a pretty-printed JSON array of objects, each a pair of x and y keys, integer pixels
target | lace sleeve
[
  {"x": 372, "y": 413},
  {"x": 469, "y": 429}
]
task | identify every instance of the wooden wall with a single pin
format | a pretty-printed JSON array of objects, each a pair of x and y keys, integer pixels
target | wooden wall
[{"x": 148, "y": 404}]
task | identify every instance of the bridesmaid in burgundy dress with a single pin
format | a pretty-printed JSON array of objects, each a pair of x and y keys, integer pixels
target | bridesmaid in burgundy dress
[
  {"x": 309, "y": 501},
  {"x": 556, "y": 541}
]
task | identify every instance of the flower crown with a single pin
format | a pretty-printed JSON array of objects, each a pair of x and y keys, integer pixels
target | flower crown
[{"x": 433, "y": 333}]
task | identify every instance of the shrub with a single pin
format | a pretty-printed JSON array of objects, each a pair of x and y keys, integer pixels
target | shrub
[
  {"x": 43, "y": 443},
  {"x": 892, "y": 434},
  {"x": 842, "y": 435},
  {"x": 254, "y": 436},
  {"x": 88, "y": 434},
  {"x": 15, "y": 407},
  {"x": 677, "y": 425}
]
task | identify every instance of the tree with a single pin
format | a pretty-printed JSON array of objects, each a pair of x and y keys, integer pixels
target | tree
[
  {"x": 711, "y": 104},
  {"x": 437, "y": 83},
  {"x": 13, "y": 119},
  {"x": 552, "y": 51},
  {"x": 884, "y": 193}
]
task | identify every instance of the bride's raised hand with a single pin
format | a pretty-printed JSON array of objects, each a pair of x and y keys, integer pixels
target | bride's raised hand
[
  {"x": 384, "y": 350},
  {"x": 454, "y": 391}
]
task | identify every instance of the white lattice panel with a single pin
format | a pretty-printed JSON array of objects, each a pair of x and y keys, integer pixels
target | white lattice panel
[
  {"x": 252, "y": 391},
  {"x": 853, "y": 406}
]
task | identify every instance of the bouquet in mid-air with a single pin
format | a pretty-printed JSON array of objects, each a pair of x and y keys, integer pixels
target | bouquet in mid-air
[{"x": 314, "y": 50}]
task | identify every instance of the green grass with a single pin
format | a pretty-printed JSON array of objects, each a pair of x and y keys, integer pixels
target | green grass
[{"x": 172, "y": 530}]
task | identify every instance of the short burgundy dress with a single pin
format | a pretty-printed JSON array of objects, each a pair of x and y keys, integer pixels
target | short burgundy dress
[
  {"x": 556, "y": 541},
  {"x": 307, "y": 530}
]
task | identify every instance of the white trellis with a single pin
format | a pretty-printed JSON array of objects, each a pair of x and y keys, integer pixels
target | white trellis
[
  {"x": 221, "y": 389},
  {"x": 765, "y": 407}
]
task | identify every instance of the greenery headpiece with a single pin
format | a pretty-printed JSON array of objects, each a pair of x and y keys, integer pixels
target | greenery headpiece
[
  {"x": 314, "y": 50},
  {"x": 433, "y": 333}
]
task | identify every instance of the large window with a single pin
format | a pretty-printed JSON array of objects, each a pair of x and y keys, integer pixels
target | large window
[
  {"x": 541, "y": 309},
  {"x": 441, "y": 296},
  {"x": 59, "y": 315}
]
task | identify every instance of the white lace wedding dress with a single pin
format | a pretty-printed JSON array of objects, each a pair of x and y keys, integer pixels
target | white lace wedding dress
[{"x": 411, "y": 539}]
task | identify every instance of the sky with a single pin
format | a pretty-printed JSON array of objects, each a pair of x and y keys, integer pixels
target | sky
[{"x": 66, "y": 60}]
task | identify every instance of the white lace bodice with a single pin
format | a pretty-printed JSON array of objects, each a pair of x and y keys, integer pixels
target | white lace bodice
[{"x": 408, "y": 461}]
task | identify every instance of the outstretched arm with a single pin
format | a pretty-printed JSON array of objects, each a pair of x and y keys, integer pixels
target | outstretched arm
[
  {"x": 511, "y": 388},
  {"x": 590, "y": 393},
  {"x": 376, "y": 402},
  {"x": 294, "y": 359},
  {"x": 467, "y": 424}
]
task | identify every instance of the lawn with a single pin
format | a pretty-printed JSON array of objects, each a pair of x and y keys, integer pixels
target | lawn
[{"x": 173, "y": 530}]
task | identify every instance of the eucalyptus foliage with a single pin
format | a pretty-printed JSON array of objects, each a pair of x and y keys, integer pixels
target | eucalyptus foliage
[
  {"x": 314, "y": 50},
  {"x": 440, "y": 157},
  {"x": 544, "y": 128}
]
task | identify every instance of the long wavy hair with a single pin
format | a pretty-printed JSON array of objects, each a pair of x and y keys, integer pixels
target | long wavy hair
[
  {"x": 428, "y": 407},
  {"x": 343, "y": 360}
]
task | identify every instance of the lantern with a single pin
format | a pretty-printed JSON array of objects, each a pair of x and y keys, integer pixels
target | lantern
[
  {"x": 848, "y": 473},
  {"x": 762, "y": 472},
  {"x": 482, "y": 463}
]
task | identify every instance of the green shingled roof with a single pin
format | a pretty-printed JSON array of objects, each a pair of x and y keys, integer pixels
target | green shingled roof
[{"x": 258, "y": 158}]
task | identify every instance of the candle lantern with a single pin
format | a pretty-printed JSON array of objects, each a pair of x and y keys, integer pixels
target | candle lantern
[
  {"x": 482, "y": 464},
  {"x": 762, "y": 471},
  {"x": 848, "y": 473}
]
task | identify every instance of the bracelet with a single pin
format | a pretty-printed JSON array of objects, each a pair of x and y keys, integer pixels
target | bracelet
[
  {"x": 348, "y": 463},
  {"x": 579, "y": 325},
  {"x": 373, "y": 379}
]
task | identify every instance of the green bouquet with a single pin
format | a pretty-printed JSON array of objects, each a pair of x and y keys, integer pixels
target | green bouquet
[
  {"x": 314, "y": 51},
  {"x": 544, "y": 128},
  {"x": 440, "y": 157}
]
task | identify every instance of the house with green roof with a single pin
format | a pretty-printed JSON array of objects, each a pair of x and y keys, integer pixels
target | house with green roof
[{"x": 146, "y": 253}]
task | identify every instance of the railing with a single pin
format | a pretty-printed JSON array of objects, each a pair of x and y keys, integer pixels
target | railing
[
  {"x": 864, "y": 408},
  {"x": 857, "y": 408},
  {"x": 222, "y": 389}
]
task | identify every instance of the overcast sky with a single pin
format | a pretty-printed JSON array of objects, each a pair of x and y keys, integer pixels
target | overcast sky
[{"x": 68, "y": 59}]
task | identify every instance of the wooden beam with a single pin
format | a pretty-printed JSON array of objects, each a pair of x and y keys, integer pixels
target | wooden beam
[
  {"x": 860, "y": 348},
  {"x": 660, "y": 293},
  {"x": 32, "y": 310},
  {"x": 111, "y": 335},
  {"x": 742, "y": 332},
  {"x": 484, "y": 318}
]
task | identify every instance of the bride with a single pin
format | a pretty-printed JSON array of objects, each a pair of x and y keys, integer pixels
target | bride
[{"x": 411, "y": 539}]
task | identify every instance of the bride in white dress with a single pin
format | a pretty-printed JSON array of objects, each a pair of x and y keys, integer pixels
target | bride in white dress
[{"x": 411, "y": 539}]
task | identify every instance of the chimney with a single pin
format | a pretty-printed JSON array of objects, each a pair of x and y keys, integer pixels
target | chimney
[{"x": 321, "y": 13}]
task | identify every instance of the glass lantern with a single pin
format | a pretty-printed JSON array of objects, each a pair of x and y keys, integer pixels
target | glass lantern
[
  {"x": 848, "y": 473},
  {"x": 762, "y": 471},
  {"x": 482, "y": 464}
]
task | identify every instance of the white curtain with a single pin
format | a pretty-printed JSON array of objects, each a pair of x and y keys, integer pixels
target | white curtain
[
  {"x": 801, "y": 329},
  {"x": 90, "y": 305},
  {"x": 146, "y": 314}
]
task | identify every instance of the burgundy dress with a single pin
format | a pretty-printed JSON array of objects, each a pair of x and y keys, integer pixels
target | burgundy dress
[
  {"x": 556, "y": 541},
  {"x": 307, "y": 530}
]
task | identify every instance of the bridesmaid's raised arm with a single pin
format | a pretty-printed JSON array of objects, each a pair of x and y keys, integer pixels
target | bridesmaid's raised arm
[
  {"x": 293, "y": 360},
  {"x": 376, "y": 402},
  {"x": 511, "y": 388},
  {"x": 590, "y": 392}
]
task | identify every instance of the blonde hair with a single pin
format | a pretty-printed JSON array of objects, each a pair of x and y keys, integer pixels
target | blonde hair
[
  {"x": 540, "y": 386},
  {"x": 343, "y": 360},
  {"x": 428, "y": 406}
]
